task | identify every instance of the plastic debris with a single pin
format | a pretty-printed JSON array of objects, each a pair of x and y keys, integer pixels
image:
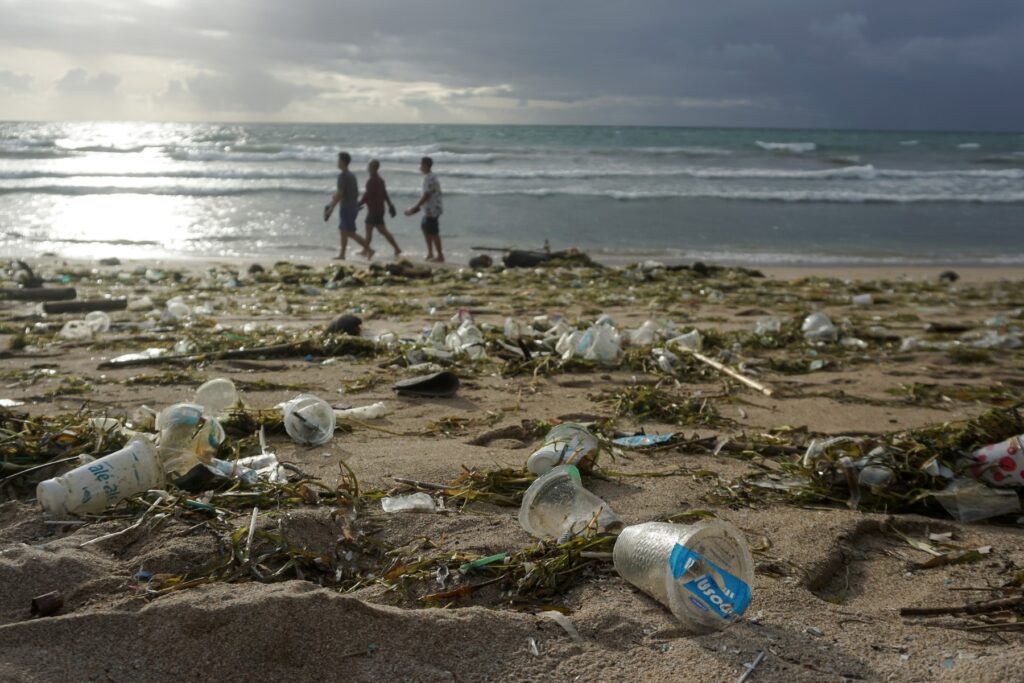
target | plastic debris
[
  {"x": 1000, "y": 464},
  {"x": 309, "y": 420},
  {"x": 216, "y": 396},
  {"x": 971, "y": 501},
  {"x": 768, "y": 326},
  {"x": 75, "y": 330},
  {"x": 98, "y": 321},
  {"x": 566, "y": 444},
  {"x": 692, "y": 341},
  {"x": 438, "y": 385},
  {"x": 47, "y": 604},
  {"x": 374, "y": 411},
  {"x": 413, "y": 502},
  {"x": 94, "y": 486},
  {"x": 641, "y": 440},
  {"x": 819, "y": 327},
  {"x": 557, "y": 506},
  {"x": 702, "y": 572},
  {"x": 862, "y": 300}
]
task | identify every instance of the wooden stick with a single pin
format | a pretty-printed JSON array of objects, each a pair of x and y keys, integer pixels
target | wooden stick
[
  {"x": 732, "y": 373},
  {"x": 38, "y": 293},
  {"x": 86, "y": 306},
  {"x": 975, "y": 608}
]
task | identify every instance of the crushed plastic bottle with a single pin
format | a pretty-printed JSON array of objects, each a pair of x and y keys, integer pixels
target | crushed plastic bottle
[
  {"x": 702, "y": 572},
  {"x": 309, "y": 420},
  {"x": 557, "y": 506},
  {"x": 96, "y": 485},
  {"x": 566, "y": 444}
]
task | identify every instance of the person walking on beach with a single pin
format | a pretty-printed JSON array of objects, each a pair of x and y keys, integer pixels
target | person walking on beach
[
  {"x": 374, "y": 198},
  {"x": 348, "y": 196},
  {"x": 430, "y": 202}
]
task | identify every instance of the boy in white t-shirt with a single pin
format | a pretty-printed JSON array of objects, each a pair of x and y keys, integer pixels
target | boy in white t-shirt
[{"x": 430, "y": 202}]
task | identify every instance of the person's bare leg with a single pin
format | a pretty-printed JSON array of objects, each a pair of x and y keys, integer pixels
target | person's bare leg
[
  {"x": 369, "y": 238},
  {"x": 430, "y": 246},
  {"x": 344, "y": 246},
  {"x": 383, "y": 229},
  {"x": 437, "y": 245},
  {"x": 367, "y": 252}
]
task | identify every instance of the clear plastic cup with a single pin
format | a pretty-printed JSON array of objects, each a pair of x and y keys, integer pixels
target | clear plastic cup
[
  {"x": 216, "y": 396},
  {"x": 702, "y": 572},
  {"x": 75, "y": 330},
  {"x": 309, "y": 420},
  {"x": 98, "y": 321},
  {"x": 187, "y": 437},
  {"x": 97, "y": 485},
  {"x": 556, "y": 505},
  {"x": 566, "y": 444}
]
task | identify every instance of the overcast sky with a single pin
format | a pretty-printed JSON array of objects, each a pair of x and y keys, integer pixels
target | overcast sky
[{"x": 945, "y": 64}]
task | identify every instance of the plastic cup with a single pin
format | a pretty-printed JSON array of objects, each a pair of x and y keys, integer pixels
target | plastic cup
[
  {"x": 309, "y": 420},
  {"x": 187, "y": 438},
  {"x": 95, "y": 486},
  {"x": 566, "y": 444},
  {"x": 216, "y": 396},
  {"x": 701, "y": 572},
  {"x": 98, "y": 321},
  {"x": 76, "y": 329},
  {"x": 556, "y": 505}
]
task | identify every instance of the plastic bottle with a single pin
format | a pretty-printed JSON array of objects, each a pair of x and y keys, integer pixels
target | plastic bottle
[
  {"x": 309, "y": 420},
  {"x": 216, "y": 396},
  {"x": 94, "y": 486},
  {"x": 702, "y": 572},
  {"x": 557, "y": 506},
  {"x": 566, "y": 444}
]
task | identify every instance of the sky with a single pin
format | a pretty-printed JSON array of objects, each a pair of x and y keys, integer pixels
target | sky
[{"x": 880, "y": 64}]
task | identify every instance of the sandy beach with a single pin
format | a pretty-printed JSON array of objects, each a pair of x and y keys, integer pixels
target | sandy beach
[{"x": 364, "y": 597}]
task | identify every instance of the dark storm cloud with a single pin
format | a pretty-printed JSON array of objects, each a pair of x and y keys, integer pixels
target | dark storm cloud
[{"x": 866, "y": 63}]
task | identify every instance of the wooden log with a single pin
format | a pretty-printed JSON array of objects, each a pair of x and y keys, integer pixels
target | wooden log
[
  {"x": 38, "y": 293},
  {"x": 86, "y": 306}
]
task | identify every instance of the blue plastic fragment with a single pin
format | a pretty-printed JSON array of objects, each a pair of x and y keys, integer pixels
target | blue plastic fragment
[{"x": 641, "y": 440}]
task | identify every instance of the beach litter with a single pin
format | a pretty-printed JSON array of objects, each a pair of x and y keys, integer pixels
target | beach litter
[
  {"x": 702, "y": 572},
  {"x": 558, "y": 506},
  {"x": 309, "y": 420},
  {"x": 565, "y": 444},
  {"x": 413, "y": 502},
  {"x": 442, "y": 384},
  {"x": 47, "y": 604}
]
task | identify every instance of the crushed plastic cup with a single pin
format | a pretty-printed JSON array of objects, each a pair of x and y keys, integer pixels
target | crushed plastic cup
[
  {"x": 645, "y": 335},
  {"x": 702, "y": 572},
  {"x": 557, "y": 506},
  {"x": 819, "y": 327},
  {"x": 96, "y": 485},
  {"x": 971, "y": 501},
  {"x": 216, "y": 396},
  {"x": 692, "y": 340},
  {"x": 309, "y": 420},
  {"x": 566, "y": 444},
  {"x": 187, "y": 437},
  {"x": 177, "y": 308},
  {"x": 770, "y": 325},
  {"x": 413, "y": 502},
  {"x": 1000, "y": 464},
  {"x": 76, "y": 329},
  {"x": 98, "y": 321}
]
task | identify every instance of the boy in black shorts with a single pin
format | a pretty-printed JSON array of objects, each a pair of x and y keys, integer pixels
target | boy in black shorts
[
  {"x": 374, "y": 199},
  {"x": 348, "y": 197},
  {"x": 431, "y": 203}
]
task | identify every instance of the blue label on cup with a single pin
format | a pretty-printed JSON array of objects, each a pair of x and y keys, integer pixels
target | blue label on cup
[{"x": 726, "y": 595}]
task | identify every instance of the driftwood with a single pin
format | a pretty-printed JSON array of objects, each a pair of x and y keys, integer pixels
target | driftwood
[
  {"x": 975, "y": 608},
  {"x": 732, "y": 373},
  {"x": 339, "y": 347},
  {"x": 86, "y": 306},
  {"x": 38, "y": 293}
]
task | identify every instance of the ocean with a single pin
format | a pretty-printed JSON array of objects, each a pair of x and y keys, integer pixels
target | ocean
[{"x": 754, "y": 197}]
